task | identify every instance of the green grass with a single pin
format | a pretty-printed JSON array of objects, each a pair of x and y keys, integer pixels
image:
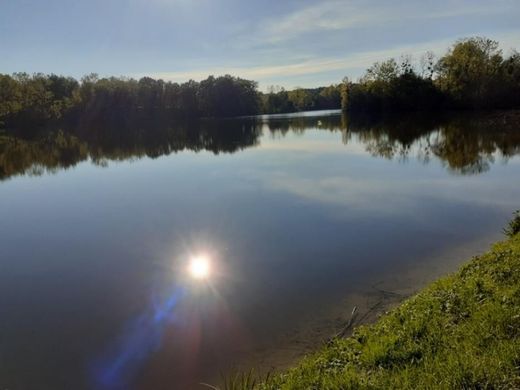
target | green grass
[{"x": 461, "y": 332}]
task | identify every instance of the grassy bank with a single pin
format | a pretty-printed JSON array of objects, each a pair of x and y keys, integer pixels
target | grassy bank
[{"x": 462, "y": 332}]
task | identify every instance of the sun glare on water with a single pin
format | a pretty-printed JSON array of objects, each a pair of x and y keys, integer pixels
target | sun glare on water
[{"x": 199, "y": 267}]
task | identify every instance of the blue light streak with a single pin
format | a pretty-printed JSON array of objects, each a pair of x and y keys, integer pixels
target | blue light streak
[{"x": 140, "y": 338}]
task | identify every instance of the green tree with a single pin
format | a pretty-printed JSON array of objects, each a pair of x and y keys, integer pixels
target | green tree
[
  {"x": 10, "y": 96},
  {"x": 345, "y": 93},
  {"x": 470, "y": 72},
  {"x": 329, "y": 97},
  {"x": 301, "y": 99}
]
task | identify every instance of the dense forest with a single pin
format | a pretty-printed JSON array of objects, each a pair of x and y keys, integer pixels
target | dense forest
[
  {"x": 473, "y": 74},
  {"x": 39, "y": 97},
  {"x": 42, "y": 97},
  {"x": 277, "y": 100}
]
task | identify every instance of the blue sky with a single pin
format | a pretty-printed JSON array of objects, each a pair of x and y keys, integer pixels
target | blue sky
[{"x": 277, "y": 42}]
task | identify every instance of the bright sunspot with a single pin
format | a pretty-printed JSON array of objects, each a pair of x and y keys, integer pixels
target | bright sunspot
[{"x": 199, "y": 267}]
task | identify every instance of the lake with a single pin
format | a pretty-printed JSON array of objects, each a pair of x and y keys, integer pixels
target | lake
[{"x": 302, "y": 217}]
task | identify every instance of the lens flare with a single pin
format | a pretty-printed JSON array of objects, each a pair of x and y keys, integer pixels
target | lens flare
[{"x": 199, "y": 267}]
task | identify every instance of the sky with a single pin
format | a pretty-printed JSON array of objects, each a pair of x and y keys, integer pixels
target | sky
[{"x": 290, "y": 43}]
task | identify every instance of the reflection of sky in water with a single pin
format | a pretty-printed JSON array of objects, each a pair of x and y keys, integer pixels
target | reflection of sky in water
[
  {"x": 297, "y": 222},
  {"x": 344, "y": 175}
]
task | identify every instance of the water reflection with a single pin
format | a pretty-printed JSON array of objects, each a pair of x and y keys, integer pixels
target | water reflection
[
  {"x": 465, "y": 144},
  {"x": 35, "y": 151},
  {"x": 95, "y": 290}
]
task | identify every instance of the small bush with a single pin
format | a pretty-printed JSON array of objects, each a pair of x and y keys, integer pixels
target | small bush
[{"x": 514, "y": 225}]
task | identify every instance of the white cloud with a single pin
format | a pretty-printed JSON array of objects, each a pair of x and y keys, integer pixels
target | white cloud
[
  {"x": 311, "y": 66},
  {"x": 343, "y": 15},
  {"x": 350, "y": 65},
  {"x": 386, "y": 195}
]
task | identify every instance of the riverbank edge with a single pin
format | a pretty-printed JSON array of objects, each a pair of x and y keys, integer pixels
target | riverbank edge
[{"x": 461, "y": 331}]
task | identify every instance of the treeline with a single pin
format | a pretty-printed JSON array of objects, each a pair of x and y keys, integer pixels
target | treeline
[
  {"x": 473, "y": 74},
  {"x": 39, "y": 98},
  {"x": 278, "y": 100},
  {"x": 42, "y": 97}
]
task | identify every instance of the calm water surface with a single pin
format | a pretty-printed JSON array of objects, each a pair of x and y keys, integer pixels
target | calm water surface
[{"x": 299, "y": 214}]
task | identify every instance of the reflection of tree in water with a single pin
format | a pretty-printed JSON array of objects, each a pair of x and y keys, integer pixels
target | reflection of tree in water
[
  {"x": 392, "y": 136},
  {"x": 469, "y": 145},
  {"x": 154, "y": 139},
  {"x": 465, "y": 144},
  {"x": 47, "y": 150},
  {"x": 300, "y": 124},
  {"x": 50, "y": 152},
  {"x": 464, "y": 152}
]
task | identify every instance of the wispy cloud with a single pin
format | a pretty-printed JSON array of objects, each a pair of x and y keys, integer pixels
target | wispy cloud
[
  {"x": 351, "y": 65},
  {"x": 290, "y": 42},
  {"x": 310, "y": 66},
  {"x": 382, "y": 195},
  {"x": 343, "y": 15}
]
